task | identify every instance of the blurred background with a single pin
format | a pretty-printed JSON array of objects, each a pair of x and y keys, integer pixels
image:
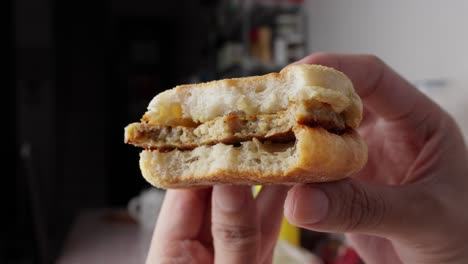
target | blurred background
[{"x": 85, "y": 69}]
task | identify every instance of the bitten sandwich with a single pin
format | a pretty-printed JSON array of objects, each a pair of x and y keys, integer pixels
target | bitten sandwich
[{"x": 295, "y": 126}]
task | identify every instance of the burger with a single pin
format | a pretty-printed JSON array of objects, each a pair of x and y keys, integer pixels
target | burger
[{"x": 295, "y": 126}]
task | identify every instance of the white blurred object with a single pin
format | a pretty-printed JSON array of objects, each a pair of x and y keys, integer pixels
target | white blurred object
[
  {"x": 286, "y": 253},
  {"x": 452, "y": 96},
  {"x": 280, "y": 51},
  {"x": 230, "y": 55},
  {"x": 145, "y": 207}
]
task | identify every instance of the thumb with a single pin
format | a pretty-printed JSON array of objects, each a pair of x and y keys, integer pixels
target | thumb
[{"x": 353, "y": 206}]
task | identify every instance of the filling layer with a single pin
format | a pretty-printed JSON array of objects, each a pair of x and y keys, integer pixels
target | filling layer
[{"x": 234, "y": 128}]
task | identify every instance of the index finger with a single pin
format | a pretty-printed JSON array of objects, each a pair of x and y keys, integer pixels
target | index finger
[
  {"x": 235, "y": 225},
  {"x": 181, "y": 218},
  {"x": 383, "y": 91}
]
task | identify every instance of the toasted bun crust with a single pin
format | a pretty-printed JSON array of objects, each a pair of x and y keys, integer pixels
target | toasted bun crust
[
  {"x": 193, "y": 117},
  {"x": 316, "y": 156},
  {"x": 268, "y": 94}
]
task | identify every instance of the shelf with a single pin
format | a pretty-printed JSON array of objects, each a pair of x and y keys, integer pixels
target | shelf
[
  {"x": 261, "y": 68},
  {"x": 255, "y": 31},
  {"x": 249, "y": 68}
]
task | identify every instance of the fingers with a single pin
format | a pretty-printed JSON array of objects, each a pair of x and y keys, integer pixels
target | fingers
[
  {"x": 352, "y": 206},
  {"x": 180, "y": 219},
  {"x": 385, "y": 93},
  {"x": 189, "y": 204},
  {"x": 235, "y": 225},
  {"x": 270, "y": 203},
  {"x": 237, "y": 234}
]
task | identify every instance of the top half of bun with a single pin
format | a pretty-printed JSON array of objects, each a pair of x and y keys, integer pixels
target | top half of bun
[{"x": 193, "y": 104}]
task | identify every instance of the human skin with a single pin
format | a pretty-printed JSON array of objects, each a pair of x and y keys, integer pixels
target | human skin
[
  {"x": 223, "y": 224},
  {"x": 409, "y": 204}
]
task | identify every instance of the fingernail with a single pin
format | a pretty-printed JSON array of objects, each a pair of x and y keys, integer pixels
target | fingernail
[
  {"x": 229, "y": 198},
  {"x": 310, "y": 205}
]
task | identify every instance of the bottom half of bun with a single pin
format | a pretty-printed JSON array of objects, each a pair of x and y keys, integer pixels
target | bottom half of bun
[{"x": 316, "y": 156}]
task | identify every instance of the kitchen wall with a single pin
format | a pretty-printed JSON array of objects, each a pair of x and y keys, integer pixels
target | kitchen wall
[{"x": 424, "y": 40}]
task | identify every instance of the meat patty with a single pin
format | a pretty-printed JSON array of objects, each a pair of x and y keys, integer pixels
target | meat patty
[{"x": 234, "y": 128}]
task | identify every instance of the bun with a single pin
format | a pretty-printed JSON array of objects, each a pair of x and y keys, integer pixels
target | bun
[
  {"x": 295, "y": 126},
  {"x": 316, "y": 156},
  {"x": 267, "y": 94}
]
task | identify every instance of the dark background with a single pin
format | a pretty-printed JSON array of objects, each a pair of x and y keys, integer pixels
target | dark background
[{"x": 81, "y": 71}]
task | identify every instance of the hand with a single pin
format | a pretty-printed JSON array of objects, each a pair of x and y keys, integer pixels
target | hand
[
  {"x": 220, "y": 225},
  {"x": 409, "y": 203}
]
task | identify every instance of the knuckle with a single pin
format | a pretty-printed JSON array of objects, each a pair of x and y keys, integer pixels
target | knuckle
[
  {"x": 377, "y": 70},
  {"x": 180, "y": 252},
  {"x": 319, "y": 54},
  {"x": 308, "y": 57},
  {"x": 316, "y": 57},
  {"x": 234, "y": 237},
  {"x": 361, "y": 209},
  {"x": 374, "y": 60}
]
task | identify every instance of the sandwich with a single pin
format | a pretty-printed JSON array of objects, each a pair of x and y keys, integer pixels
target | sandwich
[{"x": 295, "y": 126}]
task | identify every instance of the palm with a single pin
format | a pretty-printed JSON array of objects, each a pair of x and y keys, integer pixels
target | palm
[
  {"x": 412, "y": 143},
  {"x": 392, "y": 151},
  {"x": 392, "y": 155}
]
